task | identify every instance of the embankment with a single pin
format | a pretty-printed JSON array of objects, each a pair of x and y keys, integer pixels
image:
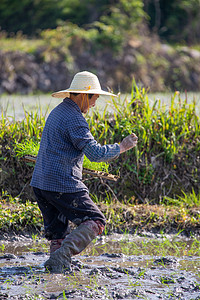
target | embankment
[{"x": 154, "y": 65}]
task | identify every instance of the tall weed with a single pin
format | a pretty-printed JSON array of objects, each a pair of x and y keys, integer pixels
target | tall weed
[{"x": 168, "y": 143}]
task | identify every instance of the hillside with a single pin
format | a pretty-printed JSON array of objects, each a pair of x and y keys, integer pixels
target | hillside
[{"x": 153, "y": 65}]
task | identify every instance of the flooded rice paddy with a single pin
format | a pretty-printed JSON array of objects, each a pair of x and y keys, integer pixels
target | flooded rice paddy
[
  {"x": 15, "y": 106},
  {"x": 112, "y": 267}
]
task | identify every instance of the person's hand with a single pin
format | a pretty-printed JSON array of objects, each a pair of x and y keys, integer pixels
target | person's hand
[{"x": 128, "y": 142}]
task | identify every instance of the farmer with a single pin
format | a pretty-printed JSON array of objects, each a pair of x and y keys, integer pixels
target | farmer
[{"x": 56, "y": 181}]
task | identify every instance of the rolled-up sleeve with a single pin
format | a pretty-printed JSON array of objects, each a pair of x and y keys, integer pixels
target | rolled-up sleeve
[{"x": 97, "y": 153}]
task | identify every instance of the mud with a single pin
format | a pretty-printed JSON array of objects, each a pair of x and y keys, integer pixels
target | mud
[{"x": 105, "y": 270}]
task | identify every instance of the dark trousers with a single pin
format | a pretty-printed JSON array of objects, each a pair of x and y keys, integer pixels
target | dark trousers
[{"x": 58, "y": 208}]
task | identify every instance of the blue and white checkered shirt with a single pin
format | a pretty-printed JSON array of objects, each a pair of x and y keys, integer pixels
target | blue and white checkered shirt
[{"x": 66, "y": 138}]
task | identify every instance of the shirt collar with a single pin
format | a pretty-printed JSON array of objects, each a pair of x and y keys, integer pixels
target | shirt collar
[{"x": 71, "y": 102}]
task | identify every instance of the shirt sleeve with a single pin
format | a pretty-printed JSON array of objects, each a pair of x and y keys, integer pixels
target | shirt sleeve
[
  {"x": 79, "y": 133},
  {"x": 97, "y": 153},
  {"x": 82, "y": 139}
]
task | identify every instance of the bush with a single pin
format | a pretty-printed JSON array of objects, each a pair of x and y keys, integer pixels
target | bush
[{"x": 165, "y": 162}]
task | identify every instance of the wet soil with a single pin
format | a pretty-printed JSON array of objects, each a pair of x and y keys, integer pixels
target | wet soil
[{"x": 113, "y": 267}]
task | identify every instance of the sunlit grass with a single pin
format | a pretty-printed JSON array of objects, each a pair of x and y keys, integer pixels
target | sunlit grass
[
  {"x": 17, "y": 215},
  {"x": 161, "y": 247},
  {"x": 29, "y": 147},
  {"x": 101, "y": 166},
  {"x": 168, "y": 139},
  {"x": 188, "y": 200},
  {"x": 20, "y": 43},
  {"x": 160, "y": 131},
  {"x": 164, "y": 246}
]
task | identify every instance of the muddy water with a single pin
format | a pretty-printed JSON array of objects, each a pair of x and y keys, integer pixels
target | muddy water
[{"x": 113, "y": 267}]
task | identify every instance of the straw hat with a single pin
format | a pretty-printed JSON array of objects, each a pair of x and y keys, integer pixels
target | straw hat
[{"x": 85, "y": 83}]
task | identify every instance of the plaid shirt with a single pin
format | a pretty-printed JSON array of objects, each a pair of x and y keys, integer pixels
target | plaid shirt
[{"x": 66, "y": 138}]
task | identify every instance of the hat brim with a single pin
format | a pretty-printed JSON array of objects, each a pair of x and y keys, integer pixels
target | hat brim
[{"x": 66, "y": 93}]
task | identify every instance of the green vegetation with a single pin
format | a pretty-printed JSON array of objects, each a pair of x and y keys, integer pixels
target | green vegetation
[
  {"x": 168, "y": 144},
  {"x": 174, "y": 21},
  {"x": 20, "y": 43},
  {"x": 113, "y": 20},
  {"x": 102, "y": 166},
  {"x": 29, "y": 147},
  {"x": 122, "y": 35},
  {"x": 161, "y": 131},
  {"x": 80, "y": 12},
  {"x": 17, "y": 215},
  {"x": 105, "y": 24},
  {"x": 153, "y": 177},
  {"x": 162, "y": 246},
  {"x": 188, "y": 200}
]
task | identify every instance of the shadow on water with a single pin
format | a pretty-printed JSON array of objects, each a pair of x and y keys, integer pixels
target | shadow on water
[{"x": 112, "y": 267}]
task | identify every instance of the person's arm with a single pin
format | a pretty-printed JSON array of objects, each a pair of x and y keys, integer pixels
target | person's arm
[
  {"x": 96, "y": 152},
  {"x": 83, "y": 140}
]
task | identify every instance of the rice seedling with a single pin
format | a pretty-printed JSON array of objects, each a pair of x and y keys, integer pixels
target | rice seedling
[
  {"x": 27, "y": 147},
  {"x": 134, "y": 283},
  {"x": 101, "y": 166},
  {"x": 34, "y": 237},
  {"x": 8, "y": 283},
  {"x": 142, "y": 272},
  {"x": 167, "y": 280},
  {"x": 164, "y": 247},
  {"x": 37, "y": 244},
  {"x": 64, "y": 295},
  {"x": 30, "y": 147}
]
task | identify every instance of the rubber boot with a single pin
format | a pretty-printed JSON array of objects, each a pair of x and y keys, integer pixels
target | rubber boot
[
  {"x": 74, "y": 243},
  {"x": 55, "y": 245}
]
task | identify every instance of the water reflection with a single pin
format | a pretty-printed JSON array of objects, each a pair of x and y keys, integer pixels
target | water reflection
[{"x": 125, "y": 266}]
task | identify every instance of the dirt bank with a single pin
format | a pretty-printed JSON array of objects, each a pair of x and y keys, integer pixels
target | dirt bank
[
  {"x": 157, "y": 66},
  {"x": 169, "y": 179},
  {"x": 19, "y": 217}
]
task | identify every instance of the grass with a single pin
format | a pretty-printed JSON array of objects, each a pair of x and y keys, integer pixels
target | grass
[
  {"x": 188, "y": 200},
  {"x": 180, "y": 214},
  {"x": 162, "y": 246},
  {"x": 30, "y": 127},
  {"x": 21, "y": 44},
  {"x": 28, "y": 147},
  {"x": 159, "y": 130},
  {"x": 18, "y": 216},
  {"x": 164, "y": 165}
]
